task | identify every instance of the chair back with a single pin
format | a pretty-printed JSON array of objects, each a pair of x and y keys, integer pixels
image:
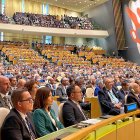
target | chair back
[
  {"x": 95, "y": 107},
  {"x": 55, "y": 98},
  {"x": 54, "y": 106},
  {"x": 89, "y": 92},
  {"x": 3, "y": 113},
  {"x": 60, "y": 109}
]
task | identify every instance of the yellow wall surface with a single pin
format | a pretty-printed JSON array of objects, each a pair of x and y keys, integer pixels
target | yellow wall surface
[
  {"x": 33, "y": 7},
  {"x": 12, "y": 6}
]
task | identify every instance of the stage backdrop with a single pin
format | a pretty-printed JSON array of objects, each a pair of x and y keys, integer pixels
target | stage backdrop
[{"x": 131, "y": 15}]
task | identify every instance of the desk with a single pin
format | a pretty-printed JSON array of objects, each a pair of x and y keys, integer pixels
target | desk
[
  {"x": 105, "y": 133},
  {"x": 57, "y": 133},
  {"x": 104, "y": 130}
]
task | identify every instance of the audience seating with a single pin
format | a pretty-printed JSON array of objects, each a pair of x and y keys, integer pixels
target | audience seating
[
  {"x": 89, "y": 92},
  {"x": 55, "y": 108},
  {"x": 50, "y": 21},
  {"x": 60, "y": 113},
  {"x": 21, "y": 54}
]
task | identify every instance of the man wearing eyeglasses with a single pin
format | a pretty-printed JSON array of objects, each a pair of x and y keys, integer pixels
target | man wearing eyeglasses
[
  {"x": 18, "y": 124},
  {"x": 72, "y": 112}
]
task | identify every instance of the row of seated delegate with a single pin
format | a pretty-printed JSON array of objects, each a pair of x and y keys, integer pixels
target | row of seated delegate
[
  {"x": 4, "y": 19},
  {"x": 53, "y": 21}
]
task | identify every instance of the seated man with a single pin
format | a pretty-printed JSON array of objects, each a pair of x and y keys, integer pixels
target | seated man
[
  {"x": 72, "y": 112},
  {"x": 134, "y": 95},
  {"x": 18, "y": 124},
  {"x": 4, "y": 89},
  {"x": 111, "y": 100},
  {"x": 125, "y": 87},
  {"x": 51, "y": 84},
  {"x": 61, "y": 89},
  {"x": 21, "y": 83}
]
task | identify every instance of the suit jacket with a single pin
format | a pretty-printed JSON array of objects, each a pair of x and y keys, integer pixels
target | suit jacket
[
  {"x": 53, "y": 89},
  {"x": 124, "y": 92},
  {"x": 61, "y": 92},
  {"x": 14, "y": 127},
  {"x": 131, "y": 98},
  {"x": 71, "y": 113},
  {"x": 43, "y": 123},
  {"x": 4, "y": 104},
  {"x": 107, "y": 106}
]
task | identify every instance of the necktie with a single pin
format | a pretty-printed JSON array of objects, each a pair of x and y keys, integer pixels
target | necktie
[
  {"x": 81, "y": 111},
  {"x": 113, "y": 98},
  {"x": 126, "y": 92},
  {"x": 7, "y": 102},
  {"x": 30, "y": 129}
]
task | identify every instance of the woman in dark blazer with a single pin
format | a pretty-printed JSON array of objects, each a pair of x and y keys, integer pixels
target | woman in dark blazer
[{"x": 43, "y": 116}]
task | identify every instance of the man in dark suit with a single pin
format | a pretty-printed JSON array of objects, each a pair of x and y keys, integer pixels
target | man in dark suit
[
  {"x": 110, "y": 99},
  {"x": 72, "y": 112},
  {"x": 134, "y": 95},
  {"x": 61, "y": 89},
  {"x": 79, "y": 81},
  {"x": 125, "y": 87},
  {"x": 18, "y": 124},
  {"x": 4, "y": 89},
  {"x": 51, "y": 84}
]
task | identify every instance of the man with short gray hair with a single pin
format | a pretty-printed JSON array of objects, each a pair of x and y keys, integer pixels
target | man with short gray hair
[{"x": 111, "y": 100}]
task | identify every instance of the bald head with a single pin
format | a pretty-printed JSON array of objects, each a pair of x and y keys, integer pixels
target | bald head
[
  {"x": 4, "y": 84},
  {"x": 21, "y": 83},
  {"x": 135, "y": 87},
  {"x": 51, "y": 80}
]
